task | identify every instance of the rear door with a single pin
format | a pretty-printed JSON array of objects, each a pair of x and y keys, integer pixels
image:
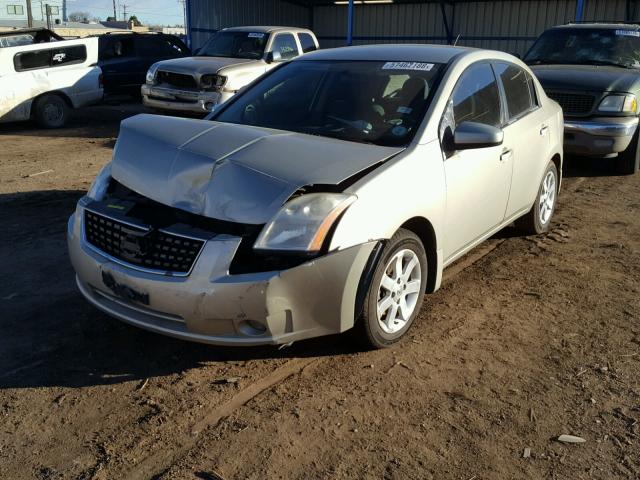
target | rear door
[
  {"x": 478, "y": 180},
  {"x": 526, "y": 134}
]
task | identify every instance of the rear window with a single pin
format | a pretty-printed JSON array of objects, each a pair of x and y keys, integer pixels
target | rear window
[
  {"x": 52, "y": 57},
  {"x": 307, "y": 43}
]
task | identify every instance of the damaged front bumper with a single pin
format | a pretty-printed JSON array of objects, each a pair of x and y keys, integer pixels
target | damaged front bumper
[{"x": 210, "y": 305}]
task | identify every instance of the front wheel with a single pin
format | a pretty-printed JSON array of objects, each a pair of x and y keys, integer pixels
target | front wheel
[
  {"x": 396, "y": 292},
  {"x": 538, "y": 219}
]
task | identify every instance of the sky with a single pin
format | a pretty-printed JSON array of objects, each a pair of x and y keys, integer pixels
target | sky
[{"x": 155, "y": 12}]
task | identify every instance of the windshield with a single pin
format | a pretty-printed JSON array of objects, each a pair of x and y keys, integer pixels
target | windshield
[
  {"x": 235, "y": 45},
  {"x": 362, "y": 101},
  {"x": 587, "y": 46}
]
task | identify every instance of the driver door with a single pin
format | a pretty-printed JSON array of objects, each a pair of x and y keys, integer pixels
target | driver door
[{"x": 478, "y": 180}]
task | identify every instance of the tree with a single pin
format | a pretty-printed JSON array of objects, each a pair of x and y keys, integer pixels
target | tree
[
  {"x": 79, "y": 17},
  {"x": 135, "y": 21}
]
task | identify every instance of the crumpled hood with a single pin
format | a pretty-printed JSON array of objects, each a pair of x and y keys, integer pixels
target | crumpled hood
[
  {"x": 230, "y": 172},
  {"x": 587, "y": 78},
  {"x": 201, "y": 65}
]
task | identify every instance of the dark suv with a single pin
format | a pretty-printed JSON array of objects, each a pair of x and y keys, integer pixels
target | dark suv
[
  {"x": 126, "y": 57},
  {"x": 593, "y": 71}
]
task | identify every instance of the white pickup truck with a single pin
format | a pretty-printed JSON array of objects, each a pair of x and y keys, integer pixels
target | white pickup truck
[
  {"x": 230, "y": 60},
  {"x": 43, "y": 76}
]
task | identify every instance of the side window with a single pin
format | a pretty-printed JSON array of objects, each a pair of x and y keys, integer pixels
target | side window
[
  {"x": 176, "y": 47},
  {"x": 285, "y": 43},
  {"x": 68, "y": 55},
  {"x": 476, "y": 97},
  {"x": 148, "y": 46},
  {"x": 118, "y": 48},
  {"x": 15, "y": 10},
  {"x": 52, "y": 57},
  {"x": 517, "y": 88},
  {"x": 307, "y": 43},
  {"x": 32, "y": 60}
]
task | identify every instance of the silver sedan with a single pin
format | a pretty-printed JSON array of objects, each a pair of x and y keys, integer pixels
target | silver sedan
[{"x": 328, "y": 196}]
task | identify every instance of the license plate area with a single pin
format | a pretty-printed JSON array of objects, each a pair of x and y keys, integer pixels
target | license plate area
[{"x": 124, "y": 291}]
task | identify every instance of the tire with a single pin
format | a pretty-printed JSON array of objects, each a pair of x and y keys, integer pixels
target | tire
[
  {"x": 538, "y": 219},
  {"x": 406, "y": 290},
  {"x": 51, "y": 111},
  {"x": 628, "y": 162}
]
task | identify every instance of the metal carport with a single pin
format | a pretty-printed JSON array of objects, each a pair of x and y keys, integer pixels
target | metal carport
[{"x": 509, "y": 25}]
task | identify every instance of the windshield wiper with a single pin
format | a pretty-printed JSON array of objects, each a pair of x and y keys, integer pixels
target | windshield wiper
[{"x": 607, "y": 63}]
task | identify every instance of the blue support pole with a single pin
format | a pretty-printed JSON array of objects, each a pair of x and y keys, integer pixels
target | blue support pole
[
  {"x": 350, "y": 24},
  {"x": 187, "y": 24},
  {"x": 579, "y": 10}
]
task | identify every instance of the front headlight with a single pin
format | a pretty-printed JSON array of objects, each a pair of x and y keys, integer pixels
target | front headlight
[
  {"x": 302, "y": 224},
  {"x": 99, "y": 186},
  {"x": 211, "y": 82},
  {"x": 151, "y": 73},
  {"x": 619, "y": 104}
]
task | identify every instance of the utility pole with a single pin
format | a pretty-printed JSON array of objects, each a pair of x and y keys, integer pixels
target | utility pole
[
  {"x": 29, "y": 14},
  {"x": 47, "y": 9},
  {"x": 115, "y": 12},
  {"x": 124, "y": 12}
]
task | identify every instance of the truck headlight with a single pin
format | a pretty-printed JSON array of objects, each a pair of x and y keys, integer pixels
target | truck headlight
[
  {"x": 99, "y": 186},
  {"x": 151, "y": 74},
  {"x": 212, "y": 81},
  {"x": 303, "y": 223},
  {"x": 619, "y": 104}
]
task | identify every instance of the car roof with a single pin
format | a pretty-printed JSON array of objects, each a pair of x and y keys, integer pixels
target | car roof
[
  {"x": 601, "y": 25},
  {"x": 390, "y": 52},
  {"x": 265, "y": 29},
  {"x": 18, "y": 31}
]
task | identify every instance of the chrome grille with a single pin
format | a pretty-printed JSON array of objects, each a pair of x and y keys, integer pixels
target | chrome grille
[{"x": 141, "y": 247}]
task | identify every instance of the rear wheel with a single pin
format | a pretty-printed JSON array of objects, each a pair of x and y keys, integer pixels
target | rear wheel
[
  {"x": 51, "y": 111},
  {"x": 396, "y": 292},
  {"x": 538, "y": 219},
  {"x": 628, "y": 162}
]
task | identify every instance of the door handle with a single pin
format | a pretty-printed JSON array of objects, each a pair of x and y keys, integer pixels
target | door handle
[
  {"x": 544, "y": 130},
  {"x": 506, "y": 155}
]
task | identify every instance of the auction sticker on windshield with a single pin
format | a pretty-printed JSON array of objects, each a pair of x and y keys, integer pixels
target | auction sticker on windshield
[
  {"x": 255, "y": 35},
  {"x": 425, "y": 67}
]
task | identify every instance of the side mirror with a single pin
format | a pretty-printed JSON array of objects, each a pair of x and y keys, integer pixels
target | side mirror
[
  {"x": 274, "y": 56},
  {"x": 476, "y": 135}
]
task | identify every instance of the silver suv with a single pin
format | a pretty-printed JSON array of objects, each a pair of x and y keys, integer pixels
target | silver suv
[{"x": 231, "y": 59}]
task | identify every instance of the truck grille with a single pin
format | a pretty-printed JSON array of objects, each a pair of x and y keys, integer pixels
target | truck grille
[
  {"x": 573, "y": 103},
  {"x": 145, "y": 248},
  {"x": 178, "y": 80}
]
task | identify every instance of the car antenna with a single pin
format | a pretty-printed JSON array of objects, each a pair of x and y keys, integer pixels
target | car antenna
[{"x": 456, "y": 42}]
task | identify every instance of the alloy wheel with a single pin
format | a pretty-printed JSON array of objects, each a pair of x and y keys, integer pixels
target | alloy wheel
[
  {"x": 547, "y": 198},
  {"x": 399, "y": 291}
]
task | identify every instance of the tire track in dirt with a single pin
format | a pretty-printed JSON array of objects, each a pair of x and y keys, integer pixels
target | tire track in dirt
[{"x": 155, "y": 464}]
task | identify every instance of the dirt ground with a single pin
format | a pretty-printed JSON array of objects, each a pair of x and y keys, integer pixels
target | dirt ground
[{"x": 529, "y": 338}]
